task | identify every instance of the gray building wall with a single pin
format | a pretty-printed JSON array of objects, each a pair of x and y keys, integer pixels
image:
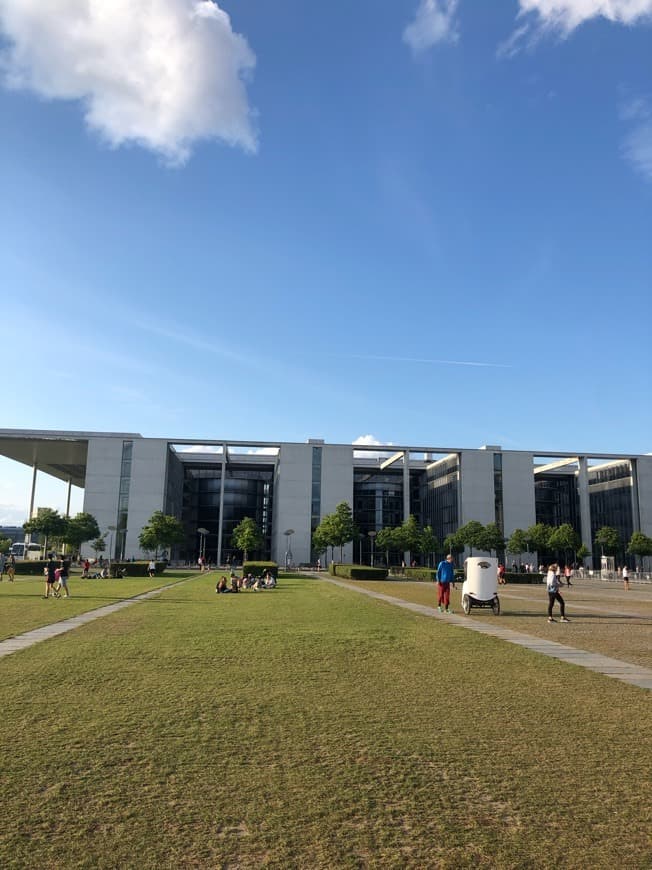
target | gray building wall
[
  {"x": 102, "y": 484},
  {"x": 147, "y": 489},
  {"x": 518, "y": 491},
  {"x": 644, "y": 473},
  {"x": 292, "y": 502},
  {"x": 477, "y": 486},
  {"x": 337, "y": 484}
]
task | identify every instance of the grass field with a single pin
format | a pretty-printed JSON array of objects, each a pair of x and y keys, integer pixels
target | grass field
[
  {"x": 312, "y": 727},
  {"x": 604, "y": 618}
]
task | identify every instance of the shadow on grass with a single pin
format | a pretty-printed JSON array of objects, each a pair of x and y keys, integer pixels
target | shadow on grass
[{"x": 577, "y": 616}]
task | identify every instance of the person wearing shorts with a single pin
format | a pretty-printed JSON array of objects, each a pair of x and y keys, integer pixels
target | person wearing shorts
[
  {"x": 51, "y": 578},
  {"x": 11, "y": 567},
  {"x": 64, "y": 572}
]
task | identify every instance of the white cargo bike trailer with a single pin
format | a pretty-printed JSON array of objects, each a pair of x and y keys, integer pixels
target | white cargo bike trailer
[{"x": 480, "y": 587}]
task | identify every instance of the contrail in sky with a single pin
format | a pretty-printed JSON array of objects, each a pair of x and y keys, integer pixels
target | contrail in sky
[{"x": 447, "y": 362}]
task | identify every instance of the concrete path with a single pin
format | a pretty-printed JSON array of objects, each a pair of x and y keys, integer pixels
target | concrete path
[
  {"x": 36, "y": 635},
  {"x": 618, "y": 670}
]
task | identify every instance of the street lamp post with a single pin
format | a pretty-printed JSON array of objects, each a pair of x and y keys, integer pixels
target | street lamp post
[
  {"x": 372, "y": 535},
  {"x": 288, "y": 552},
  {"x": 202, "y": 546},
  {"x": 111, "y": 529}
]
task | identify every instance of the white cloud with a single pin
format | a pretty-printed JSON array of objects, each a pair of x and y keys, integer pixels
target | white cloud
[
  {"x": 434, "y": 22},
  {"x": 637, "y": 149},
  {"x": 163, "y": 74},
  {"x": 371, "y": 440},
  {"x": 564, "y": 16}
]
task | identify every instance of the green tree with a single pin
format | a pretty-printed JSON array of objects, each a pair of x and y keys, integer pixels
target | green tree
[
  {"x": 453, "y": 544},
  {"x": 80, "y": 529},
  {"x": 538, "y": 538},
  {"x": 493, "y": 538},
  {"x": 518, "y": 543},
  {"x": 428, "y": 543},
  {"x": 247, "y": 536},
  {"x": 582, "y": 553},
  {"x": 99, "y": 545},
  {"x": 5, "y": 544},
  {"x": 48, "y": 523},
  {"x": 319, "y": 543},
  {"x": 640, "y": 545},
  {"x": 472, "y": 535},
  {"x": 162, "y": 532},
  {"x": 386, "y": 541},
  {"x": 408, "y": 536},
  {"x": 564, "y": 538},
  {"x": 341, "y": 525},
  {"x": 608, "y": 539}
]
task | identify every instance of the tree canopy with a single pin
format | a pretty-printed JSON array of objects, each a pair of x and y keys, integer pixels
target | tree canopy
[
  {"x": 161, "y": 533},
  {"x": 48, "y": 523},
  {"x": 80, "y": 529},
  {"x": 246, "y": 536},
  {"x": 608, "y": 539}
]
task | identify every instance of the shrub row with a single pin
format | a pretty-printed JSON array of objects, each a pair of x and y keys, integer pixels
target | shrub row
[
  {"x": 516, "y": 577},
  {"x": 418, "y": 573},
  {"x": 29, "y": 568},
  {"x": 259, "y": 569},
  {"x": 357, "y": 572}
]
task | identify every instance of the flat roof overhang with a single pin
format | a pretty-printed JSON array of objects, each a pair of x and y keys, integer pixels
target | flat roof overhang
[{"x": 60, "y": 454}]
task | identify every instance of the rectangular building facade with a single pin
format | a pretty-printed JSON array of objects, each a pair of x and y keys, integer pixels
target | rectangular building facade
[{"x": 287, "y": 488}]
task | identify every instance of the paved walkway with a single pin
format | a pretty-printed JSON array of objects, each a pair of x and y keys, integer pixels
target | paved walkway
[
  {"x": 36, "y": 635},
  {"x": 618, "y": 670}
]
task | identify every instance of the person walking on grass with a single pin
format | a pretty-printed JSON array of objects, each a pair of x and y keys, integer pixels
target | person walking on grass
[
  {"x": 445, "y": 577},
  {"x": 64, "y": 572},
  {"x": 11, "y": 567},
  {"x": 553, "y": 582},
  {"x": 626, "y": 578}
]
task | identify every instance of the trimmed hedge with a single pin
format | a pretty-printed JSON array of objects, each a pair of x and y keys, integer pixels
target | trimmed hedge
[
  {"x": 357, "y": 572},
  {"x": 429, "y": 574},
  {"x": 518, "y": 577},
  {"x": 259, "y": 569},
  {"x": 29, "y": 568}
]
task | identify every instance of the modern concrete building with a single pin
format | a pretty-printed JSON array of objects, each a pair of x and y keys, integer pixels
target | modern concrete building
[{"x": 288, "y": 487}]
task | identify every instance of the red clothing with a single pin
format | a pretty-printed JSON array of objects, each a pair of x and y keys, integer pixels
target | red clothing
[{"x": 443, "y": 594}]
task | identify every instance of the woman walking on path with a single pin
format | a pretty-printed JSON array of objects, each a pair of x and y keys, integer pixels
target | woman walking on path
[
  {"x": 625, "y": 578},
  {"x": 552, "y": 585}
]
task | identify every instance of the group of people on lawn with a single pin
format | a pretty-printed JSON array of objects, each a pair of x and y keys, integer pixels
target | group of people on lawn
[{"x": 246, "y": 582}]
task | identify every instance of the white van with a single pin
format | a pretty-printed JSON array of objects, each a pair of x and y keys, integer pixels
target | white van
[{"x": 25, "y": 551}]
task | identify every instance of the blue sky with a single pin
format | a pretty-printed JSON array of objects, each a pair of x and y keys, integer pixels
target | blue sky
[{"x": 415, "y": 222}]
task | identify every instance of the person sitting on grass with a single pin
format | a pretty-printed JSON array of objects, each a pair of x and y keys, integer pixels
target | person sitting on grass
[
  {"x": 234, "y": 584},
  {"x": 221, "y": 585}
]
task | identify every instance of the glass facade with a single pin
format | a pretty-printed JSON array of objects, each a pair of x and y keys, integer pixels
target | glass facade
[
  {"x": 610, "y": 496},
  {"x": 315, "y": 502},
  {"x": 498, "y": 491},
  {"x": 440, "y": 496},
  {"x": 556, "y": 500},
  {"x": 248, "y": 492},
  {"x": 123, "y": 501}
]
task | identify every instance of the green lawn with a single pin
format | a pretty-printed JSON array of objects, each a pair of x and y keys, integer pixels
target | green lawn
[
  {"x": 313, "y": 727},
  {"x": 23, "y": 608},
  {"x": 604, "y": 618}
]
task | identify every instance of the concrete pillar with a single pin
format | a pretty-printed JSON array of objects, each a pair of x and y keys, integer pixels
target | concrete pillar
[
  {"x": 68, "y": 498},
  {"x": 221, "y": 519},
  {"x": 585, "y": 504},
  {"x": 406, "y": 495}
]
